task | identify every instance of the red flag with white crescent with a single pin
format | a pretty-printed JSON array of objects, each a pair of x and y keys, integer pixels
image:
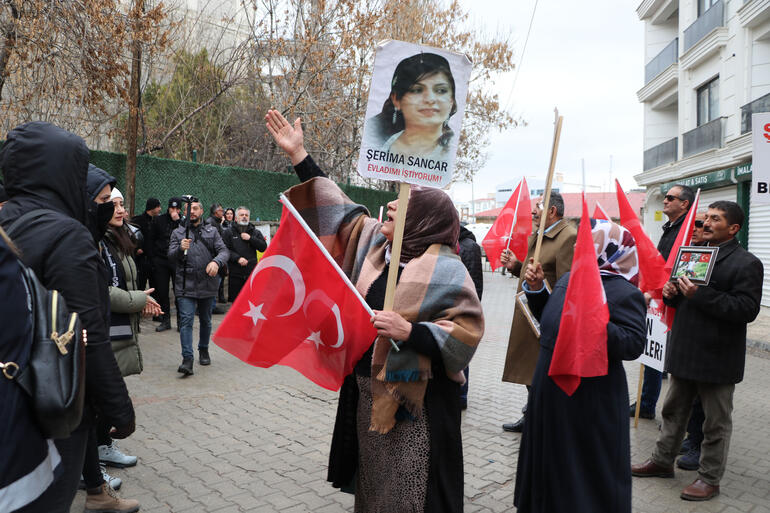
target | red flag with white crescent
[
  {"x": 298, "y": 309},
  {"x": 581, "y": 345},
  {"x": 512, "y": 227}
]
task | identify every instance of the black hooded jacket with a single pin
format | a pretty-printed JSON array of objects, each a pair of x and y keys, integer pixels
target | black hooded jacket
[
  {"x": 45, "y": 167},
  {"x": 470, "y": 254}
]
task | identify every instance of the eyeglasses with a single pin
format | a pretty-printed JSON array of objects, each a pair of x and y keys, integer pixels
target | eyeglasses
[
  {"x": 671, "y": 197},
  {"x": 698, "y": 223}
]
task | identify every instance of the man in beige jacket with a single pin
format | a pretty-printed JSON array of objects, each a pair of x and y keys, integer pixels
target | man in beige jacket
[{"x": 556, "y": 258}]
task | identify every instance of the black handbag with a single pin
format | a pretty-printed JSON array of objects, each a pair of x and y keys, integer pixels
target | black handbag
[{"x": 54, "y": 376}]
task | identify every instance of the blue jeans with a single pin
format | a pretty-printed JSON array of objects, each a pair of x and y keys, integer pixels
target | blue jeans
[
  {"x": 650, "y": 389},
  {"x": 186, "y": 307}
]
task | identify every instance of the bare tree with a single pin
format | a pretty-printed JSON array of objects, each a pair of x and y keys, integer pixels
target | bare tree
[{"x": 67, "y": 62}]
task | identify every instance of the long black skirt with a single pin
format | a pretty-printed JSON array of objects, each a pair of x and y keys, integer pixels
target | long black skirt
[{"x": 575, "y": 451}]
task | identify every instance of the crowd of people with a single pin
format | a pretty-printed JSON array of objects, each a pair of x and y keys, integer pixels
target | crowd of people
[
  {"x": 111, "y": 270},
  {"x": 397, "y": 442}
]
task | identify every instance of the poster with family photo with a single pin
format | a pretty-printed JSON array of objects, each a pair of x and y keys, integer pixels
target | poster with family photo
[
  {"x": 695, "y": 263},
  {"x": 414, "y": 114}
]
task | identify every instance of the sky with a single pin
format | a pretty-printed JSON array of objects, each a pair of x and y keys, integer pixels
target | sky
[{"x": 587, "y": 59}]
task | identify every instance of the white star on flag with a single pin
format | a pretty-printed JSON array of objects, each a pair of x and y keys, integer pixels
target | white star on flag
[
  {"x": 255, "y": 313},
  {"x": 315, "y": 338}
]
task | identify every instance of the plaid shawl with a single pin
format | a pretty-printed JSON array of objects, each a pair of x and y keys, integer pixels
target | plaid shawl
[{"x": 434, "y": 290}]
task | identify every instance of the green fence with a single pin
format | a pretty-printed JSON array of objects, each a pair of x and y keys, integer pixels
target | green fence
[{"x": 230, "y": 186}]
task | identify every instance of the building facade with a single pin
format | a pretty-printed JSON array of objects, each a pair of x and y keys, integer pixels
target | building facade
[{"x": 707, "y": 71}]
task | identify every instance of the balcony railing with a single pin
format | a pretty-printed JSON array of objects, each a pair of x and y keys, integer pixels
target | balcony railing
[
  {"x": 668, "y": 56},
  {"x": 661, "y": 154},
  {"x": 703, "y": 138},
  {"x": 714, "y": 17},
  {"x": 761, "y": 104}
]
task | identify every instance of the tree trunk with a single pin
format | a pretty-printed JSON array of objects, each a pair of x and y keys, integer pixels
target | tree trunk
[{"x": 133, "y": 116}]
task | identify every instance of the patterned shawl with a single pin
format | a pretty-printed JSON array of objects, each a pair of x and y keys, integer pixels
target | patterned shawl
[
  {"x": 434, "y": 289},
  {"x": 615, "y": 250}
]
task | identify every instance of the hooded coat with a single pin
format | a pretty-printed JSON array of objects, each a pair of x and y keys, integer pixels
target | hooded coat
[{"x": 45, "y": 167}]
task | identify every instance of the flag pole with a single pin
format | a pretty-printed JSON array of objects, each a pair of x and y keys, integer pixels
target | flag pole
[
  {"x": 639, "y": 396},
  {"x": 515, "y": 215},
  {"x": 547, "y": 194},
  {"x": 286, "y": 203}
]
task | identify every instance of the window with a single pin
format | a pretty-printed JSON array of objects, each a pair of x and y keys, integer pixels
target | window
[
  {"x": 705, "y": 5},
  {"x": 708, "y": 102}
]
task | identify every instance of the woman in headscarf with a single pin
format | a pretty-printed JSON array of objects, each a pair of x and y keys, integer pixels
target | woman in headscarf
[
  {"x": 575, "y": 450},
  {"x": 397, "y": 439}
]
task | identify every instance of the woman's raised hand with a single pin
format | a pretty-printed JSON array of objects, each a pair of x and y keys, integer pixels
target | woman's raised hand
[{"x": 289, "y": 138}]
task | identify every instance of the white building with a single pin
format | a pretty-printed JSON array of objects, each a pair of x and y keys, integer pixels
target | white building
[
  {"x": 535, "y": 185},
  {"x": 707, "y": 70}
]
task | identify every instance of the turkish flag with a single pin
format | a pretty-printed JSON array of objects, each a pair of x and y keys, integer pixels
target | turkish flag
[
  {"x": 511, "y": 229},
  {"x": 599, "y": 212},
  {"x": 652, "y": 274},
  {"x": 581, "y": 346},
  {"x": 683, "y": 238},
  {"x": 290, "y": 312}
]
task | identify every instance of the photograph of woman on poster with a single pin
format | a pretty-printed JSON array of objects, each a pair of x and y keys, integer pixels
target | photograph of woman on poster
[{"x": 414, "y": 118}]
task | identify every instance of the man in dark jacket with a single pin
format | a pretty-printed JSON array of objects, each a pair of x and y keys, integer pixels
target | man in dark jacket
[
  {"x": 162, "y": 268},
  {"x": 144, "y": 252},
  {"x": 199, "y": 254},
  {"x": 45, "y": 168},
  {"x": 706, "y": 354},
  {"x": 243, "y": 241},
  {"x": 676, "y": 204}
]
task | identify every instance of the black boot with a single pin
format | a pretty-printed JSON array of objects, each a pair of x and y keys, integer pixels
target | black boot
[
  {"x": 165, "y": 324},
  {"x": 187, "y": 366},
  {"x": 203, "y": 357}
]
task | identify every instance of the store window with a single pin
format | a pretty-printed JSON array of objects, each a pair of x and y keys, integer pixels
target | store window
[{"x": 708, "y": 102}]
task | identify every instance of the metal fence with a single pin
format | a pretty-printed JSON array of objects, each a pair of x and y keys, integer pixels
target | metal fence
[
  {"x": 714, "y": 17},
  {"x": 761, "y": 104},
  {"x": 668, "y": 56},
  {"x": 705, "y": 137},
  {"x": 663, "y": 153}
]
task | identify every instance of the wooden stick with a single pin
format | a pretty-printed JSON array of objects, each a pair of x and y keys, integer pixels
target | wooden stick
[
  {"x": 639, "y": 395},
  {"x": 395, "y": 249},
  {"x": 547, "y": 194}
]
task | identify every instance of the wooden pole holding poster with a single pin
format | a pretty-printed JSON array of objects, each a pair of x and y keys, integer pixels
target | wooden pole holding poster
[
  {"x": 547, "y": 193},
  {"x": 639, "y": 395},
  {"x": 395, "y": 249}
]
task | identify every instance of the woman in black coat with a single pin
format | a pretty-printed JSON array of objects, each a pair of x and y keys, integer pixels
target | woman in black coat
[{"x": 575, "y": 450}]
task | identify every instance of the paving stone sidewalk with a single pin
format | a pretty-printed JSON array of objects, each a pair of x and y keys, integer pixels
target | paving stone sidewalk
[{"x": 234, "y": 438}]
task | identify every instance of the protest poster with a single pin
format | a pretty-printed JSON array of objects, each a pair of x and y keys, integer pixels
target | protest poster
[
  {"x": 760, "y": 172},
  {"x": 654, "y": 354},
  {"x": 414, "y": 114}
]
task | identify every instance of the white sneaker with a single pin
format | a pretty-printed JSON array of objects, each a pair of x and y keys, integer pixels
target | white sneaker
[
  {"x": 112, "y": 456},
  {"x": 114, "y": 482}
]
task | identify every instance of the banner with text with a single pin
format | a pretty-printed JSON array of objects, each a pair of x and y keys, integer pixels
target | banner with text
[
  {"x": 760, "y": 138},
  {"x": 654, "y": 354},
  {"x": 414, "y": 114}
]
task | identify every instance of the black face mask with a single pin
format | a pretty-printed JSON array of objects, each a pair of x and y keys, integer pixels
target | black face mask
[{"x": 99, "y": 215}]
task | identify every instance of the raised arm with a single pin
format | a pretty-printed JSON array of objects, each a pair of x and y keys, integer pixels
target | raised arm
[{"x": 291, "y": 140}]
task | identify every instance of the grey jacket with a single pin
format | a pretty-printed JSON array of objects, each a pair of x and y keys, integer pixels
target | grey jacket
[{"x": 206, "y": 246}]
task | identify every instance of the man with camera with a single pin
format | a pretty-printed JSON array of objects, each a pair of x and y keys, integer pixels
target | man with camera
[{"x": 198, "y": 252}]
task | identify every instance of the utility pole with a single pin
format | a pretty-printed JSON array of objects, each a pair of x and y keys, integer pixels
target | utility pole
[{"x": 133, "y": 110}]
